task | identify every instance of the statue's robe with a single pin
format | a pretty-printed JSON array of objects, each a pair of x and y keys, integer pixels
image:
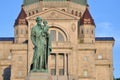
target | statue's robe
[{"x": 42, "y": 45}]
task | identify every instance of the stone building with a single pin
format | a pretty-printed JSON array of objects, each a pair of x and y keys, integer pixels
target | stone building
[{"x": 76, "y": 53}]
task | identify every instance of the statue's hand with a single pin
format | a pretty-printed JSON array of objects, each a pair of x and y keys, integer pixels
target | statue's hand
[{"x": 35, "y": 45}]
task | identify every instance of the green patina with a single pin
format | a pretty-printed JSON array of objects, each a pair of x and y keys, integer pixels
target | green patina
[
  {"x": 27, "y": 2},
  {"x": 42, "y": 46},
  {"x": 82, "y": 2}
]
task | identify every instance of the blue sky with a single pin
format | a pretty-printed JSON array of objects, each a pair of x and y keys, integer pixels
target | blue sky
[{"x": 106, "y": 14}]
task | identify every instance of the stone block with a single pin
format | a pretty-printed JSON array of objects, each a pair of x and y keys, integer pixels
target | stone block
[{"x": 38, "y": 76}]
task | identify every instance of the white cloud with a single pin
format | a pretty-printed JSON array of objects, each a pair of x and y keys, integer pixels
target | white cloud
[{"x": 105, "y": 25}]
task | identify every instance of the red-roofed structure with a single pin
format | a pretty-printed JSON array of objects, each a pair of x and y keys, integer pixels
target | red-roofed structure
[
  {"x": 21, "y": 19},
  {"x": 87, "y": 18}
]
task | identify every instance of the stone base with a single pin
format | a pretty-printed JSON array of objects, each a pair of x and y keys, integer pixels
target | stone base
[{"x": 39, "y": 76}]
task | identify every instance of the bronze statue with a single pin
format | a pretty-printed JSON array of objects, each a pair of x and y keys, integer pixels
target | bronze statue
[{"x": 42, "y": 46}]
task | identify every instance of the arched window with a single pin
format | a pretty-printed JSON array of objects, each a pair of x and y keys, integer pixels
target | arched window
[
  {"x": 80, "y": 14},
  {"x": 60, "y": 37},
  {"x": 57, "y": 35},
  {"x": 29, "y": 14},
  {"x": 36, "y": 11},
  {"x": 63, "y": 9},
  {"x": 33, "y": 12},
  {"x": 53, "y": 35},
  {"x": 72, "y": 12},
  {"x": 76, "y": 13}
]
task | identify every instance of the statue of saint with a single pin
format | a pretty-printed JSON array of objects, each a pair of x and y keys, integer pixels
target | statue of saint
[{"x": 42, "y": 46}]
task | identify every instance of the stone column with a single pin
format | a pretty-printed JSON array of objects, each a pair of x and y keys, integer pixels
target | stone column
[
  {"x": 69, "y": 64},
  {"x": 65, "y": 64},
  {"x": 57, "y": 62}
]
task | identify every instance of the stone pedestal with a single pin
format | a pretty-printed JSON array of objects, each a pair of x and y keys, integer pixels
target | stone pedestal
[{"x": 38, "y": 76}]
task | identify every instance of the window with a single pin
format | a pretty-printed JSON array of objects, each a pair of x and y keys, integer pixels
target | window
[
  {"x": 20, "y": 74},
  {"x": 80, "y": 14},
  {"x": 52, "y": 56},
  {"x": 63, "y": 9},
  {"x": 60, "y": 37},
  {"x": 92, "y": 32},
  {"x": 9, "y": 57},
  {"x": 20, "y": 58},
  {"x": 85, "y": 73},
  {"x": 72, "y": 12},
  {"x": 61, "y": 71},
  {"x": 61, "y": 56},
  {"x": 53, "y": 35},
  {"x": 92, "y": 41},
  {"x": 33, "y": 12},
  {"x": 57, "y": 35},
  {"x": 100, "y": 56},
  {"x": 85, "y": 58},
  {"x": 53, "y": 72},
  {"x": 29, "y": 14},
  {"x": 53, "y": 59},
  {"x": 36, "y": 11},
  {"x": 76, "y": 13},
  {"x": 82, "y": 31}
]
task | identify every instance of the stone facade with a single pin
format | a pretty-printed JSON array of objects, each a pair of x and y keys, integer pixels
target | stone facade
[{"x": 76, "y": 53}]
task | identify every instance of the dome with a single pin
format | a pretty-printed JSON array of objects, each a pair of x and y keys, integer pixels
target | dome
[
  {"x": 82, "y": 2},
  {"x": 27, "y": 2}
]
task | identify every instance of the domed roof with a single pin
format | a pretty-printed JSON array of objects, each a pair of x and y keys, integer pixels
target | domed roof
[
  {"x": 82, "y": 2},
  {"x": 27, "y": 2}
]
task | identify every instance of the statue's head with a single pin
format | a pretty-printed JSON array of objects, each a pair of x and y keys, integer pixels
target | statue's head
[
  {"x": 45, "y": 22},
  {"x": 39, "y": 20}
]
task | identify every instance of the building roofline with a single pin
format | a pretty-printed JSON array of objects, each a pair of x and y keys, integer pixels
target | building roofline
[
  {"x": 6, "y": 38},
  {"x": 87, "y": 18},
  {"x": 81, "y": 2},
  {"x": 104, "y": 39}
]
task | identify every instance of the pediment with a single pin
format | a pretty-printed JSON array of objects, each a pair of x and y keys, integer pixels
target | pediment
[{"x": 53, "y": 14}]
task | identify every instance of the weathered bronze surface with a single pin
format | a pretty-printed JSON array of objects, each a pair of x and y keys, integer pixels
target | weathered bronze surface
[{"x": 42, "y": 46}]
